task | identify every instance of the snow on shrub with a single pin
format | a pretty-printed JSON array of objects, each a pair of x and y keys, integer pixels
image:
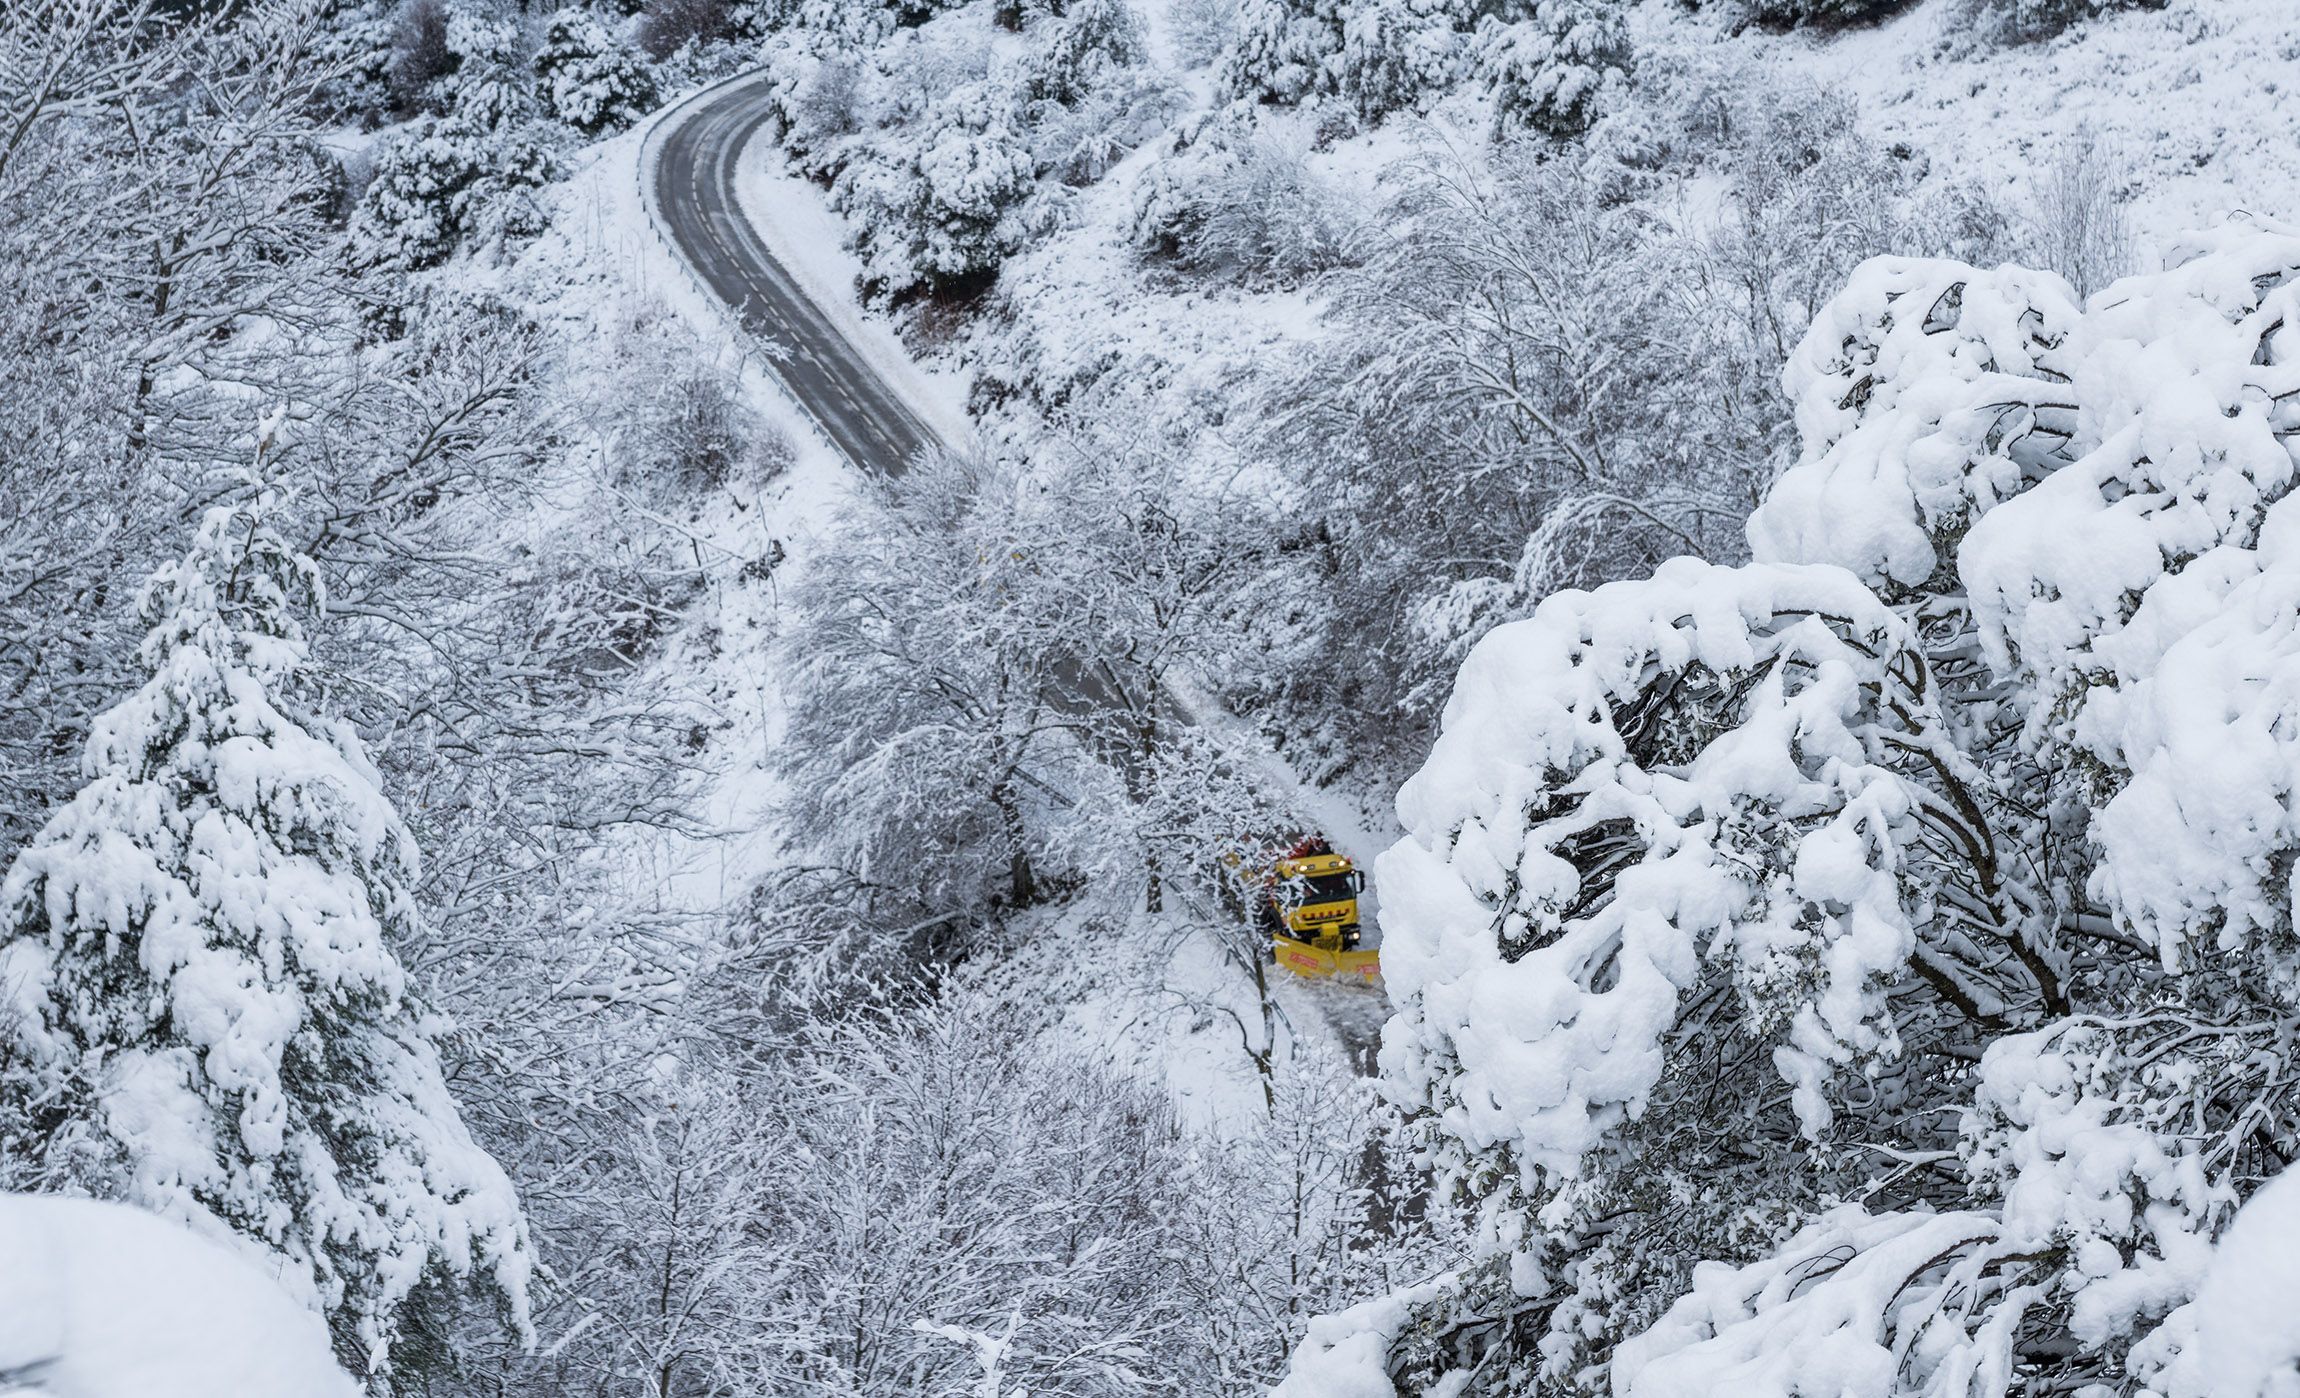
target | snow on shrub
[
  {"x": 1869, "y": 969},
  {"x": 202, "y": 1010},
  {"x": 671, "y": 25},
  {"x": 1090, "y": 95},
  {"x": 844, "y": 24},
  {"x": 1549, "y": 73},
  {"x": 1201, "y": 30},
  {"x": 823, "y": 99},
  {"x": 587, "y": 80},
  {"x": 441, "y": 182},
  {"x": 1089, "y": 43},
  {"x": 1245, "y": 203},
  {"x": 939, "y": 203},
  {"x": 1280, "y": 50},
  {"x": 2027, "y": 21},
  {"x": 1400, "y": 55},
  {"x": 1544, "y": 60},
  {"x": 1789, "y": 12}
]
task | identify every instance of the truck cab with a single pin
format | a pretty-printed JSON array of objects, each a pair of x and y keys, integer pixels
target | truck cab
[
  {"x": 1314, "y": 898},
  {"x": 1309, "y": 906}
]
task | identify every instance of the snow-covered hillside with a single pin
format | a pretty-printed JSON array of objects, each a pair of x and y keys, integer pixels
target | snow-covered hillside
[{"x": 534, "y": 819}]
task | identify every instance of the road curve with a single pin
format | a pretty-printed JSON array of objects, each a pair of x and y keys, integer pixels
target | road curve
[{"x": 695, "y": 198}]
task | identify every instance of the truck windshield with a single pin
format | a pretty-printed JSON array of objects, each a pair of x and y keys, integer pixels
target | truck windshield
[{"x": 1329, "y": 888}]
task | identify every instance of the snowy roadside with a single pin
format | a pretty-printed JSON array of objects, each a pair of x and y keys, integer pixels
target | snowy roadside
[
  {"x": 798, "y": 225},
  {"x": 601, "y": 266},
  {"x": 1165, "y": 1007}
]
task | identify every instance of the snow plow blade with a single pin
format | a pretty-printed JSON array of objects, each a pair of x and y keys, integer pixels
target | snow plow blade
[{"x": 1318, "y": 964}]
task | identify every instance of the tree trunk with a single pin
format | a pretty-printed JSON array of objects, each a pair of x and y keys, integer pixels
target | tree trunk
[{"x": 1021, "y": 881}]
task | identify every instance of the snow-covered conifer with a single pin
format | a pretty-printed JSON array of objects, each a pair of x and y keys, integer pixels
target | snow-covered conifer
[
  {"x": 441, "y": 182},
  {"x": 2026, "y": 21},
  {"x": 200, "y": 1005},
  {"x": 588, "y": 80},
  {"x": 1821, "y": 11},
  {"x": 486, "y": 91}
]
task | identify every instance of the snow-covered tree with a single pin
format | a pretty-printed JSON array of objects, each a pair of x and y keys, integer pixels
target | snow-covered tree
[
  {"x": 1862, "y": 970},
  {"x": 1400, "y": 55},
  {"x": 587, "y": 79},
  {"x": 940, "y": 202},
  {"x": 1090, "y": 94},
  {"x": 949, "y": 1170},
  {"x": 443, "y": 181},
  {"x": 420, "y": 54},
  {"x": 2026, "y": 21},
  {"x": 921, "y": 738},
  {"x": 162, "y": 195},
  {"x": 488, "y": 89},
  {"x": 1092, "y": 40},
  {"x": 1549, "y": 72},
  {"x": 1821, "y": 11},
  {"x": 1248, "y": 203},
  {"x": 1379, "y": 56},
  {"x": 1281, "y": 49},
  {"x": 671, "y": 25},
  {"x": 203, "y": 1011}
]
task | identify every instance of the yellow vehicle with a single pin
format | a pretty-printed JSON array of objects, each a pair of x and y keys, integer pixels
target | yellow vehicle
[{"x": 1308, "y": 904}]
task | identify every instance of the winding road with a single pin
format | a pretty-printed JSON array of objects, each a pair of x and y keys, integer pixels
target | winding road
[
  {"x": 862, "y": 414},
  {"x": 694, "y": 195}
]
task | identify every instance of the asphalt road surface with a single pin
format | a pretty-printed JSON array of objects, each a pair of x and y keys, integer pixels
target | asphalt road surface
[{"x": 695, "y": 196}]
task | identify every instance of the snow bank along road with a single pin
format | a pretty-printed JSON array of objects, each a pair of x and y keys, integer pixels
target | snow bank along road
[{"x": 695, "y": 197}]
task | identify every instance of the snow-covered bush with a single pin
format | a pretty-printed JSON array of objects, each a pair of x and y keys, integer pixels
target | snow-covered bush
[
  {"x": 203, "y": 1012},
  {"x": 470, "y": 175},
  {"x": 939, "y": 203},
  {"x": 823, "y": 99},
  {"x": 917, "y": 738},
  {"x": 1384, "y": 56},
  {"x": 1280, "y": 50},
  {"x": 851, "y": 26},
  {"x": 1091, "y": 42},
  {"x": 420, "y": 53},
  {"x": 1866, "y": 969},
  {"x": 682, "y": 413},
  {"x": 1078, "y": 142},
  {"x": 441, "y": 182},
  {"x": 671, "y": 25},
  {"x": 488, "y": 89},
  {"x": 588, "y": 80},
  {"x": 2078, "y": 226},
  {"x": 1246, "y": 204},
  {"x": 1791, "y": 12},
  {"x": 1399, "y": 55},
  {"x": 1090, "y": 95},
  {"x": 2027, "y": 21},
  {"x": 1549, "y": 73},
  {"x": 1201, "y": 29}
]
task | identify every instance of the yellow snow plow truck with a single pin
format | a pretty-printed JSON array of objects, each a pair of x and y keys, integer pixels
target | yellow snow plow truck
[{"x": 1307, "y": 901}]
